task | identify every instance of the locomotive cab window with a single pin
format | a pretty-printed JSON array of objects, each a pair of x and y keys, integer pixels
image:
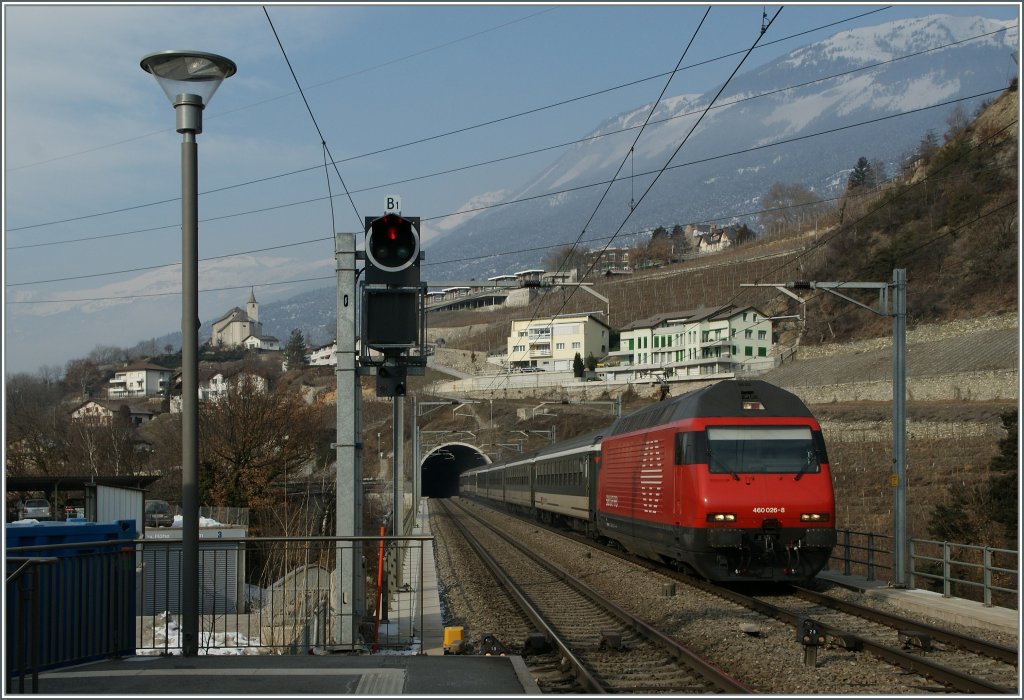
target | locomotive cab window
[{"x": 763, "y": 450}]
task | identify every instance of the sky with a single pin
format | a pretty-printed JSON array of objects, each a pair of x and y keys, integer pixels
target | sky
[{"x": 399, "y": 99}]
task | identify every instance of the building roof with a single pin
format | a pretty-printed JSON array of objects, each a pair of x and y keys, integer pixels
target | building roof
[
  {"x": 235, "y": 314},
  {"x": 139, "y": 407},
  {"x": 69, "y": 482},
  {"x": 657, "y": 320},
  {"x": 139, "y": 366},
  {"x": 711, "y": 313},
  {"x": 546, "y": 319}
]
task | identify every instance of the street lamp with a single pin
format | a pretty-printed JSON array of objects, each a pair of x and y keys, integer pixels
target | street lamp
[{"x": 189, "y": 79}]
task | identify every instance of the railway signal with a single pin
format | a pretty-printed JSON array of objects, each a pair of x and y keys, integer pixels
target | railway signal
[
  {"x": 393, "y": 316},
  {"x": 392, "y": 250}
]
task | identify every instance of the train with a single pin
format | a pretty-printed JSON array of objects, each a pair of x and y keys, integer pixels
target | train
[{"x": 730, "y": 482}]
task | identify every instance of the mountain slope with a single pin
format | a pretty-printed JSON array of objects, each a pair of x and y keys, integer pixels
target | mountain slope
[{"x": 729, "y": 161}]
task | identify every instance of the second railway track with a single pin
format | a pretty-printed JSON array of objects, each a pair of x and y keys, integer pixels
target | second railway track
[
  {"x": 758, "y": 646},
  {"x": 611, "y": 650}
]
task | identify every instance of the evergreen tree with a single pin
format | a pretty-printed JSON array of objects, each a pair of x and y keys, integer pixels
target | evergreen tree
[
  {"x": 295, "y": 350},
  {"x": 1002, "y": 486},
  {"x": 577, "y": 366},
  {"x": 862, "y": 175}
]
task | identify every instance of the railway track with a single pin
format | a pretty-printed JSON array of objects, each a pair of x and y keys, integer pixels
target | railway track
[
  {"x": 908, "y": 648},
  {"x": 950, "y": 661},
  {"x": 606, "y": 649}
]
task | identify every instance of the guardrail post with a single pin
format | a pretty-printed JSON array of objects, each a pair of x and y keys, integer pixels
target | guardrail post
[
  {"x": 946, "y": 583},
  {"x": 987, "y": 560},
  {"x": 846, "y": 552},
  {"x": 871, "y": 556},
  {"x": 910, "y": 563}
]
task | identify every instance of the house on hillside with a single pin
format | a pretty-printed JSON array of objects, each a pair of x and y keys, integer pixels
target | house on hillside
[
  {"x": 706, "y": 343},
  {"x": 214, "y": 385},
  {"x": 608, "y": 261},
  {"x": 97, "y": 412},
  {"x": 709, "y": 238},
  {"x": 261, "y": 343},
  {"x": 139, "y": 379},
  {"x": 551, "y": 343},
  {"x": 236, "y": 326},
  {"x": 324, "y": 355}
]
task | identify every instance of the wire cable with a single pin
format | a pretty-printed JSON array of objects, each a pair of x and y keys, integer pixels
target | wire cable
[{"x": 519, "y": 114}]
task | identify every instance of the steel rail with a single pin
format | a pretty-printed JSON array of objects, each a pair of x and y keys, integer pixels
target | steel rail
[
  {"x": 580, "y": 671},
  {"x": 714, "y": 675},
  {"x": 999, "y": 652}
]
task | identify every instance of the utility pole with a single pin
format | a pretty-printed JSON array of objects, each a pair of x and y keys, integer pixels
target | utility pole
[
  {"x": 897, "y": 310},
  {"x": 348, "y": 485}
]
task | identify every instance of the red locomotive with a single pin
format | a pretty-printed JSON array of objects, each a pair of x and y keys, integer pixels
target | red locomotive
[{"x": 731, "y": 481}]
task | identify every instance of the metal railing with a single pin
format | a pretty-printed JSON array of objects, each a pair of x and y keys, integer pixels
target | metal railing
[
  {"x": 278, "y": 595},
  {"x": 956, "y": 568},
  {"x": 76, "y": 608},
  {"x": 258, "y": 595},
  {"x": 985, "y": 574},
  {"x": 22, "y": 630}
]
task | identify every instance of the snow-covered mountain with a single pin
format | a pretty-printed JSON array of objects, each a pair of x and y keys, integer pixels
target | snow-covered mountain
[
  {"x": 864, "y": 91},
  {"x": 804, "y": 118}
]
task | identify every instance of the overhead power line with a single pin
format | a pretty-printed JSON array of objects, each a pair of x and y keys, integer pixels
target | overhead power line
[{"x": 506, "y": 118}]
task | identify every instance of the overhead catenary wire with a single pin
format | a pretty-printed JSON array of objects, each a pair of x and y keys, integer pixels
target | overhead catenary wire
[
  {"x": 324, "y": 83},
  {"x": 323, "y": 141},
  {"x": 526, "y": 113},
  {"x": 824, "y": 240},
  {"x": 516, "y": 201},
  {"x": 667, "y": 162}
]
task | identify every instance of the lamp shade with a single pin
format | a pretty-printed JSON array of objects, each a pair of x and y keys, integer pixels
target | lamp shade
[{"x": 188, "y": 72}]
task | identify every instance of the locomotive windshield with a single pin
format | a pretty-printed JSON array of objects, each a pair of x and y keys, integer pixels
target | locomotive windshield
[{"x": 762, "y": 450}]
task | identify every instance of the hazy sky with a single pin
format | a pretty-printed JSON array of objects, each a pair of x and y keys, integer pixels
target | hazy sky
[{"x": 92, "y": 160}]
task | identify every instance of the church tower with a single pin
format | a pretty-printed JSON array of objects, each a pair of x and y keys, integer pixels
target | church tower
[{"x": 252, "y": 307}]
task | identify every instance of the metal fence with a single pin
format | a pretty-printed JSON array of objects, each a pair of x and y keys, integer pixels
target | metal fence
[
  {"x": 67, "y": 604},
  {"x": 278, "y": 595},
  {"x": 985, "y": 574},
  {"x": 258, "y": 595}
]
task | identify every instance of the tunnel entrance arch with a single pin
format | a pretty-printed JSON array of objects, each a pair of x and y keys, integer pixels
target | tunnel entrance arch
[{"x": 440, "y": 468}]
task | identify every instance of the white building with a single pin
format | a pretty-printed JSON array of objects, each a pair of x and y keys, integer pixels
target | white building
[
  {"x": 139, "y": 379},
  {"x": 233, "y": 328},
  {"x": 214, "y": 386},
  {"x": 324, "y": 355},
  {"x": 98, "y": 412},
  {"x": 551, "y": 343},
  {"x": 261, "y": 343},
  {"x": 702, "y": 343}
]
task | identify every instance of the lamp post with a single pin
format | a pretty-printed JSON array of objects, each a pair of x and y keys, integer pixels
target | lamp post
[{"x": 189, "y": 79}]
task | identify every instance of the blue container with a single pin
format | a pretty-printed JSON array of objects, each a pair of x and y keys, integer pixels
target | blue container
[{"x": 78, "y": 608}]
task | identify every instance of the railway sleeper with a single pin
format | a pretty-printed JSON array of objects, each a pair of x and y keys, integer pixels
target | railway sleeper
[
  {"x": 846, "y": 641},
  {"x": 915, "y": 638}
]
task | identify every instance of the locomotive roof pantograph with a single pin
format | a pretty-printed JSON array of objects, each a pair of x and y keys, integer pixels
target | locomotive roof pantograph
[{"x": 745, "y": 398}]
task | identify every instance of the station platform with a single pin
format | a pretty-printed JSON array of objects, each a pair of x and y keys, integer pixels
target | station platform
[
  {"x": 290, "y": 676},
  {"x": 917, "y": 601},
  {"x": 424, "y": 670}
]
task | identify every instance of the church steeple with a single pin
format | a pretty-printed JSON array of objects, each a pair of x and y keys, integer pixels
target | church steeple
[{"x": 252, "y": 307}]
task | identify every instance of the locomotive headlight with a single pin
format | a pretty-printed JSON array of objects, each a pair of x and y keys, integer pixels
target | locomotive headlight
[
  {"x": 814, "y": 517},
  {"x": 721, "y": 517}
]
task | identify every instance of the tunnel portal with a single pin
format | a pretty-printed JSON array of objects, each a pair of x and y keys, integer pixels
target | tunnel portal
[{"x": 440, "y": 469}]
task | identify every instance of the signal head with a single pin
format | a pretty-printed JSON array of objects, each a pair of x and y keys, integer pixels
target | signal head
[{"x": 392, "y": 243}]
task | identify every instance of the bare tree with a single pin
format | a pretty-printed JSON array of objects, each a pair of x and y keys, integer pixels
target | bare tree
[
  {"x": 251, "y": 438},
  {"x": 36, "y": 426}
]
